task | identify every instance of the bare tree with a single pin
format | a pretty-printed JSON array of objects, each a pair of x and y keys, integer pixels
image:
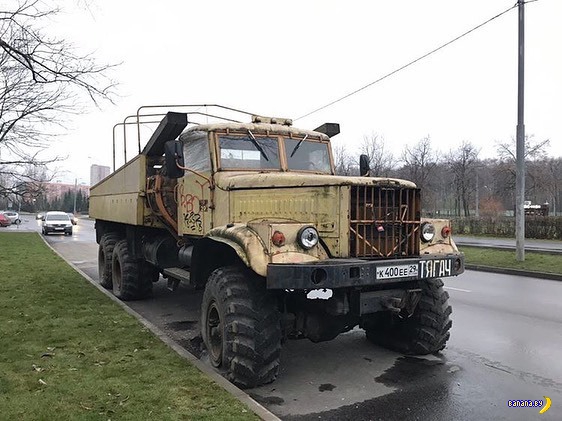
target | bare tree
[
  {"x": 343, "y": 162},
  {"x": 550, "y": 176},
  {"x": 534, "y": 149},
  {"x": 462, "y": 164},
  {"x": 381, "y": 161},
  {"x": 535, "y": 156},
  {"x": 419, "y": 161},
  {"x": 41, "y": 79}
]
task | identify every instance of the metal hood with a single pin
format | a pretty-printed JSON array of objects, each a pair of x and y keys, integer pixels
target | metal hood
[{"x": 235, "y": 180}]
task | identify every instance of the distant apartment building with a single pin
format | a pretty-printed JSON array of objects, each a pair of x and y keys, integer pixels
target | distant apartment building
[{"x": 98, "y": 173}]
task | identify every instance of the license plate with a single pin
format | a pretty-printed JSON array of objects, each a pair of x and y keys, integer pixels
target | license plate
[
  {"x": 397, "y": 271},
  {"x": 59, "y": 229},
  {"x": 435, "y": 268}
]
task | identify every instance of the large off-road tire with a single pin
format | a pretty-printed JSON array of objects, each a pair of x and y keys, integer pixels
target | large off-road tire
[
  {"x": 241, "y": 328},
  {"x": 128, "y": 284},
  {"x": 425, "y": 332},
  {"x": 105, "y": 256}
]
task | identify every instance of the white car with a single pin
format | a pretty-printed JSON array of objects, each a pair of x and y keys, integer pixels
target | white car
[
  {"x": 56, "y": 222},
  {"x": 14, "y": 217}
]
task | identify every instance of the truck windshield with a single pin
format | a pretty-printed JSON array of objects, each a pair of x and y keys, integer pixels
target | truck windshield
[
  {"x": 304, "y": 155},
  {"x": 247, "y": 152}
]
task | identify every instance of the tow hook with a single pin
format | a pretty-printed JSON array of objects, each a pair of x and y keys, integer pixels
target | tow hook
[
  {"x": 403, "y": 307},
  {"x": 392, "y": 304},
  {"x": 409, "y": 302}
]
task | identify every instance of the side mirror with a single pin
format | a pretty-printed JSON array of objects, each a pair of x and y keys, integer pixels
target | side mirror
[
  {"x": 173, "y": 152},
  {"x": 364, "y": 167}
]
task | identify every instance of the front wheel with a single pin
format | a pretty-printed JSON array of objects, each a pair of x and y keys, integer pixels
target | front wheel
[
  {"x": 241, "y": 328},
  {"x": 425, "y": 332}
]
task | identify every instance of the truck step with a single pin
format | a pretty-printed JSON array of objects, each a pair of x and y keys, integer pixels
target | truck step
[{"x": 177, "y": 275}]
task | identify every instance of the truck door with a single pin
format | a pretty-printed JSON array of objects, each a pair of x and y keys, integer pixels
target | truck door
[{"x": 194, "y": 193}]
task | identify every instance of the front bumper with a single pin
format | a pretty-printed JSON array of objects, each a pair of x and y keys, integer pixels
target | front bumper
[
  {"x": 66, "y": 230},
  {"x": 341, "y": 273}
]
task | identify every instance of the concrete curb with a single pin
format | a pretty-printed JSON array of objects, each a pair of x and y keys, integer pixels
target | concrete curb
[
  {"x": 238, "y": 393},
  {"x": 528, "y": 249},
  {"x": 540, "y": 275}
]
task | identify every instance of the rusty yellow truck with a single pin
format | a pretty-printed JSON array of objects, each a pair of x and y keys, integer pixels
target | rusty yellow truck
[{"x": 253, "y": 214}]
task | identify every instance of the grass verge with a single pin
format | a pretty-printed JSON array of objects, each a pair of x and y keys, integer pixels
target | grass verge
[
  {"x": 534, "y": 262},
  {"x": 68, "y": 352}
]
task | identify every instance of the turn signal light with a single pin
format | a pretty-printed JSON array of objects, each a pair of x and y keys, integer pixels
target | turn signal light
[
  {"x": 278, "y": 238},
  {"x": 446, "y": 232}
]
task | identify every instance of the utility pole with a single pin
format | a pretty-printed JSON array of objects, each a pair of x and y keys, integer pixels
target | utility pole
[{"x": 520, "y": 155}]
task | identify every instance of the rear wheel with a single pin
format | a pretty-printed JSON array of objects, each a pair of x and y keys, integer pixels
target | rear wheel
[
  {"x": 126, "y": 271},
  {"x": 241, "y": 326},
  {"x": 425, "y": 332},
  {"x": 105, "y": 256}
]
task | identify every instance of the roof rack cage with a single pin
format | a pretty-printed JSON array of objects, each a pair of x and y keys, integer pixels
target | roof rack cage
[{"x": 158, "y": 113}]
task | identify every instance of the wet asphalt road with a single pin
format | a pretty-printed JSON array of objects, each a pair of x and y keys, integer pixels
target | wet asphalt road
[{"x": 506, "y": 344}]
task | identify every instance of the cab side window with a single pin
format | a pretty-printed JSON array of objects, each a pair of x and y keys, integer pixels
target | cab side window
[{"x": 196, "y": 151}]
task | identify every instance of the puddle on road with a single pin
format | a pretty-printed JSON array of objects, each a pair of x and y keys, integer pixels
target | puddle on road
[
  {"x": 411, "y": 369},
  {"x": 326, "y": 387},
  {"x": 267, "y": 400}
]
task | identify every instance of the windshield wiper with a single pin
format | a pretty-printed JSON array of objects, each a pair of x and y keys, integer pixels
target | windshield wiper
[
  {"x": 257, "y": 145},
  {"x": 298, "y": 145}
]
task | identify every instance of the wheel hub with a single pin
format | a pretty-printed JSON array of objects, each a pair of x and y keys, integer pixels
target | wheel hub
[{"x": 214, "y": 334}]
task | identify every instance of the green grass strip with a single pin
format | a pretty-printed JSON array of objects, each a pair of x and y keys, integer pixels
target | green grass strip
[
  {"x": 70, "y": 353},
  {"x": 534, "y": 261}
]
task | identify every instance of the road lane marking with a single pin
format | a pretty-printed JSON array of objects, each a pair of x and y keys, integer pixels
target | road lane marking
[{"x": 458, "y": 289}]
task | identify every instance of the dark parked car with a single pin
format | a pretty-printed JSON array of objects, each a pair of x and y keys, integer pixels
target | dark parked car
[{"x": 4, "y": 221}]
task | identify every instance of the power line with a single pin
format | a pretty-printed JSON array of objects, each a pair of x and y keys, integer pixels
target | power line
[{"x": 408, "y": 64}]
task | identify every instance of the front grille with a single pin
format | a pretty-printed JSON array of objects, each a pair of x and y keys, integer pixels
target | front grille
[{"x": 384, "y": 222}]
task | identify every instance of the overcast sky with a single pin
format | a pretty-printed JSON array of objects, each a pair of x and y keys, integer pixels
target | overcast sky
[{"x": 288, "y": 58}]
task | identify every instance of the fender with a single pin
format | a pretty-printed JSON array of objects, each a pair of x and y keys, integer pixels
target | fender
[{"x": 246, "y": 243}]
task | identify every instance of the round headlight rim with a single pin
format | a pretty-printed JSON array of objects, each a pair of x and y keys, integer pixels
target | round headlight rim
[
  {"x": 422, "y": 233},
  {"x": 300, "y": 240}
]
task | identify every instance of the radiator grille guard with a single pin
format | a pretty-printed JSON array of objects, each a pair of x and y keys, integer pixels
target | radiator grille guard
[{"x": 385, "y": 222}]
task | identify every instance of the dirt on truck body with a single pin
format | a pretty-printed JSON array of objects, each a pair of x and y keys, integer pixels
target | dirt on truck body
[{"x": 254, "y": 214}]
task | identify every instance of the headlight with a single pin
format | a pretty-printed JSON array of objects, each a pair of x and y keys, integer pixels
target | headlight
[
  {"x": 427, "y": 232},
  {"x": 307, "y": 237}
]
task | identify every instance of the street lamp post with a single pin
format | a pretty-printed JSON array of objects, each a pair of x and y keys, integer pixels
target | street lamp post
[{"x": 75, "y": 194}]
